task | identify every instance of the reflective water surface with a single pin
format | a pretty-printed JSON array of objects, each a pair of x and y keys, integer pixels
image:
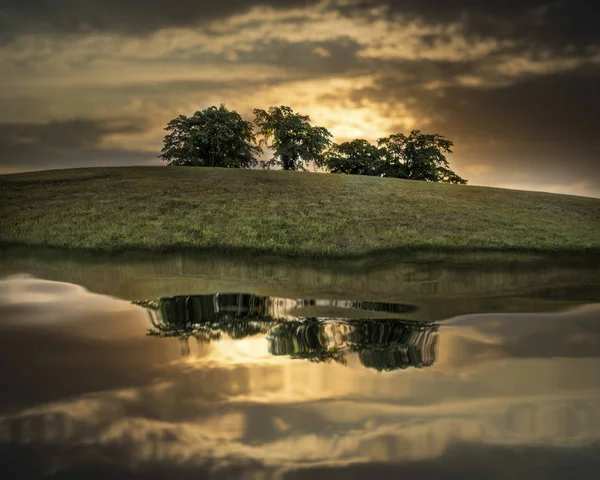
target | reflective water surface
[{"x": 227, "y": 381}]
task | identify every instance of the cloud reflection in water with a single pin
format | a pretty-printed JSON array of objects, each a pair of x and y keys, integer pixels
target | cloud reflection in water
[{"x": 502, "y": 389}]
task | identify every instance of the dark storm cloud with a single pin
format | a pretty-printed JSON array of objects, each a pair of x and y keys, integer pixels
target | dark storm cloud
[
  {"x": 402, "y": 78},
  {"x": 560, "y": 109},
  {"x": 559, "y": 23},
  {"x": 512, "y": 82},
  {"x": 543, "y": 126},
  {"x": 63, "y": 134},
  {"x": 128, "y": 17},
  {"x": 305, "y": 59},
  {"x": 552, "y": 23},
  {"x": 555, "y": 108},
  {"x": 73, "y": 143},
  {"x": 317, "y": 58}
]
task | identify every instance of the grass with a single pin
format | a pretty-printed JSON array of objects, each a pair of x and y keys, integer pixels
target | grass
[{"x": 284, "y": 213}]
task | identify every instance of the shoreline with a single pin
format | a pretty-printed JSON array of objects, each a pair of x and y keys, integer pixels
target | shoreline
[{"x": 457, "y": 256}]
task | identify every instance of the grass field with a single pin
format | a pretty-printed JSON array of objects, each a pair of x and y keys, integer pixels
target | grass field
[{"x": 284, "y": 213}]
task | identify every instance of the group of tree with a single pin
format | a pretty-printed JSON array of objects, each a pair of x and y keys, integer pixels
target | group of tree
[
  {"x": 218, "y": 137},
  {"x": 382, "y": 343}
]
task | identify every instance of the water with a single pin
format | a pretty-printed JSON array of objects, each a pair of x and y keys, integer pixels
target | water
[{"x": 178, "y": 367}]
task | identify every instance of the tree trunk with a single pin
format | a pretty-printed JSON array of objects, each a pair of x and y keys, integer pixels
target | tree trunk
[{"x": 287, "y": 163}]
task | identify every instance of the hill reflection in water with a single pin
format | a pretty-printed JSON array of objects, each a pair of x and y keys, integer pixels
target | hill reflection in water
[{"x": 384, "y": 344}]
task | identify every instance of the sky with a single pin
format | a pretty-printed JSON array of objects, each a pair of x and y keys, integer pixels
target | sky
[{"x": 513, "y": 83}]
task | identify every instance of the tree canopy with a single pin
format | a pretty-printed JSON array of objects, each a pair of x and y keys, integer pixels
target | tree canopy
[
  {"x": 419, "y": 156},
  {"x": 214, "y": 137},
  {"x": 357, "y": 157},
  {"x": 294, "y": 141}
]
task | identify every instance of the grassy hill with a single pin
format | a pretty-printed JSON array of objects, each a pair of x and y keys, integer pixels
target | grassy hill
[{"x": 285, "y": 213}]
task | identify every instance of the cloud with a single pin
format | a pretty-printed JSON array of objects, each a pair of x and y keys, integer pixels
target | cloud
[
  {"x": 127, "y": 17},
  {"x": 320, "y": 58},
  {"x": 541, "y": 126},
  {"x": 65, "y": 134},
  {"x": 71, "y": 143},
  {"x": 510, "y": 82},
  {"x": 556, "y": 24},
  {"x": 231, "y": 406}
]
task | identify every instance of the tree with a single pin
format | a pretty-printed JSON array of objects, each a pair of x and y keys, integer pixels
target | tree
[
  {"x": 294, "y": 140},
  {"x": 419, "y": 157},
  {"x": 215, "y": 137},
  {"x": 357, "y": 157}
]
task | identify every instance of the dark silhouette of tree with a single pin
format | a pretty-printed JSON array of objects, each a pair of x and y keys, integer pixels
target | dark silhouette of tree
[
  {"x": 215, "y": 137},
  {"x": 294, "y": 141},
  {"x": 357, "y": 157},
  {"x": 382, "y": 344},
  {"x": 304, "y": 339},
  {"x": 392, "y": 344},
  {"x": 206, "y": 317},
  {"x": 418, "y": 157}
]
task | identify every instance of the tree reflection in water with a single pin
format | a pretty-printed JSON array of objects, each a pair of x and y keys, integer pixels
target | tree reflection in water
[{"x": 381, "y": 343}]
